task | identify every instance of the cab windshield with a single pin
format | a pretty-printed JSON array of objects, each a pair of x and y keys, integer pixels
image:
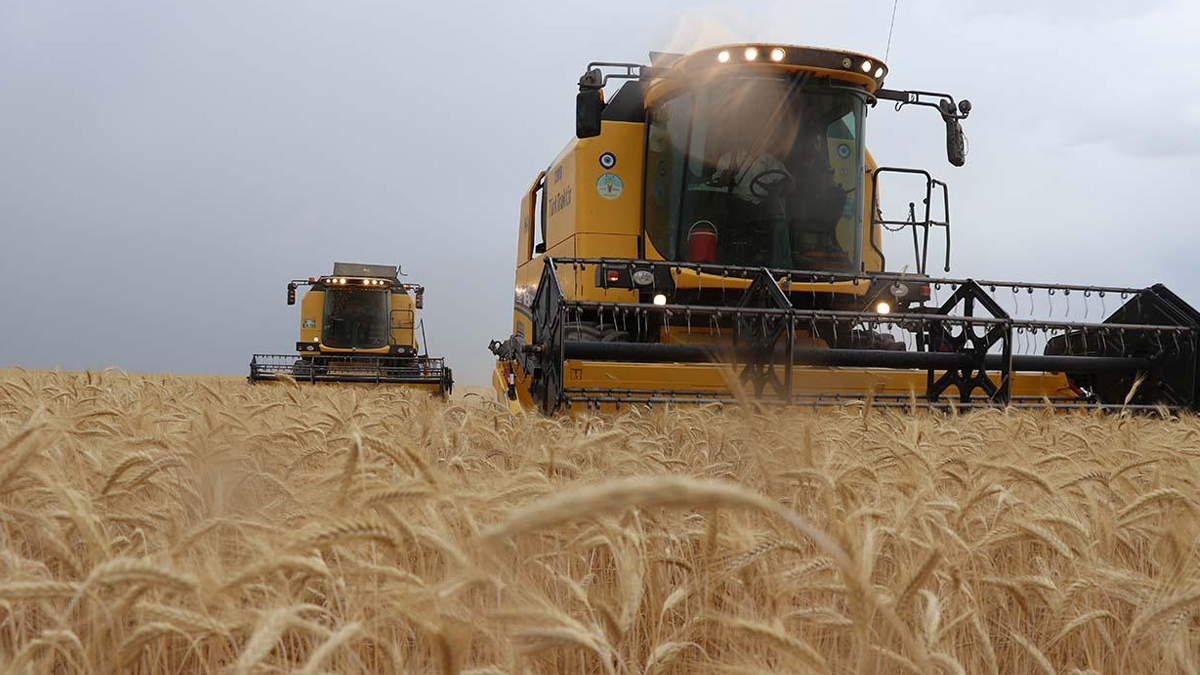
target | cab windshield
[
  {"x": 757, "y": 171},
  {"x": 356, "y": 319}
]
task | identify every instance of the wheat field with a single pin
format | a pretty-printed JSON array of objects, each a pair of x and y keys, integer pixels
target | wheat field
[{"x": 174, "y": 524}]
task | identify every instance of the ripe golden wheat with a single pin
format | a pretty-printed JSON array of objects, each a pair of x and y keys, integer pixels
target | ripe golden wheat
[{"x": 198, "y": 524}]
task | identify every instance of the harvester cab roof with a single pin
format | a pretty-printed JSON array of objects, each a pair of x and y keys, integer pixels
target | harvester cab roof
[
  {"x": 715, "y": 228},
  {"x": 357, "y": 276},
  {"x": 341, "y": 269}
]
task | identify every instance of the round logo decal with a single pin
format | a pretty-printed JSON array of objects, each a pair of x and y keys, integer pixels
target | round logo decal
[
  {"x": 610, "y": 186},
  {"x": 843, "y": 151},
  {"x": 608, "y": 160}
]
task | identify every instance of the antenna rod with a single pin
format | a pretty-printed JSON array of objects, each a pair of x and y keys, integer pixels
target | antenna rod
[{"x": 891, "y": 26}]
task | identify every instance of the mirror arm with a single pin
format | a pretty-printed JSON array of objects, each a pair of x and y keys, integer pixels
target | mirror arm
[
  {"x": 945, "y": 103},
  {"x": 595, "y": 78}
]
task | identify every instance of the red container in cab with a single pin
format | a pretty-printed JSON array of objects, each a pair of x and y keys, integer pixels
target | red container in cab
[{"x": 702, "y": 242}]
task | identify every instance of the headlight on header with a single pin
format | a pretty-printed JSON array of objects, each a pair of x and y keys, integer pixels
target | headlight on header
[{"x": 643, "y": 277}]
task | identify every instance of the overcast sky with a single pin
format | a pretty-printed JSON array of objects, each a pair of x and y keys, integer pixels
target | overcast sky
[{"x": 166, "y": 167}]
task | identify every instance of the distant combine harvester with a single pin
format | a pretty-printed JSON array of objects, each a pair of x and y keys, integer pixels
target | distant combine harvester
[{"x": 358, "y": 324}]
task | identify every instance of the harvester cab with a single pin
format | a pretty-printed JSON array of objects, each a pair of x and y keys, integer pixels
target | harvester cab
[
  {"x": 714, "y": 233},
  {"x": 358, "y": 324}
]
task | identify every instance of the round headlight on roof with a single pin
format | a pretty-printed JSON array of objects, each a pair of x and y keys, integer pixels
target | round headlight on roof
[
  {"x": 751, "y": 53},
  {"x": 867, "y": 66},
  {"x": 723, "y": 57},
  {"x": 777, "y": 54}
]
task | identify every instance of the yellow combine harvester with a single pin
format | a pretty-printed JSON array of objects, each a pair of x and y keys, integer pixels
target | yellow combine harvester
[
  {"x": 358, "y": 324},
  {"x": 715, "y": 232}
]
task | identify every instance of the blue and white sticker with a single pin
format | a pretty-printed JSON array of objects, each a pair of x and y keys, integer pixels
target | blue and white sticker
[
  {"x": 610, "y": 186},
  {"x": 608, "y": 161},
  {"x": 309, "y": 323},
  {"x": 843, "y": 151}
]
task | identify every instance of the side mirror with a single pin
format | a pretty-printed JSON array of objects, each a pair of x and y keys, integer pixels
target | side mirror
[
  {"x": 291, "y": 293},
  {"x": 420, "y": 301},
  {"x": 588, "y": 108},
  {"x": 956, "y": 141}
]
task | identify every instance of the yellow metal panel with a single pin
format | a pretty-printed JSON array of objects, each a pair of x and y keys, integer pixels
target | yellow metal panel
[
  {"x": 722, "y": 379},
  {"x": 845, "y": 382},
  {"x": 609, "y": 197},
  {"x": 562, "y": 193},
  {"x": 528, "y": 276},
  {"x": 312, "y": 308},
  {"x": 500, "y": 386},
  {"x": 693, "y": 279},
  {"x": 338, "y": 350},
  {"x": 403, "y": 320},
  {"x": 584, "y": 195},
  {"x": 594, "y": 245}
]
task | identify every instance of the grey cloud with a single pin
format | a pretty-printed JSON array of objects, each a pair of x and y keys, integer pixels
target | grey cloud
[
  {"x": 1072, "y": 11},
  {"x": 1164, "y": 137}
]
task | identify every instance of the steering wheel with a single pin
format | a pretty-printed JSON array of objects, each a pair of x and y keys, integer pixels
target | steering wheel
[{"x": 761, "y": 189}]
